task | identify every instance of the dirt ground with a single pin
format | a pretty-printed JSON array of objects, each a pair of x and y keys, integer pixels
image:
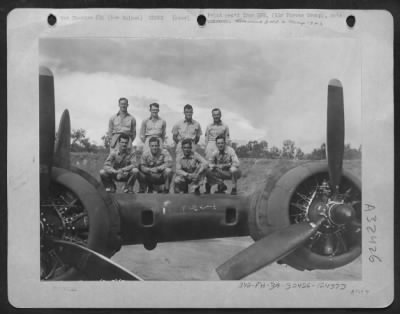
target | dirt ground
[{"x": 197, "y": 260}]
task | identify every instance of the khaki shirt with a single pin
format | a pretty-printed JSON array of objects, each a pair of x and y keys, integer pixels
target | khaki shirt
[
  {"x": 215, "y": 129},
  {"x": 194, "y": 162},
  {"x": 228, "y": 157},
  {"x": 121, "y": 124},
  {"x": 161, "y": 160},
  {"x": 185, "y": 129},
  {"x": 151, "y": 128},
  {"x": 117, "y": 160}
]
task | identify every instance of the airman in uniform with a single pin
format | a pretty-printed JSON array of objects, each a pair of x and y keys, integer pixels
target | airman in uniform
[
  {"x": 190, "y": 169},
  {"x": 217, "y": 128},
  {"x": 153, "y": 127},
  {"x": 121, "y": 123},
  {"x": 120, "y": 165},
  {"x": 223, "y": 165},
  {"x": 187, "y": 128},
  {"x": 155, "y": 167}
]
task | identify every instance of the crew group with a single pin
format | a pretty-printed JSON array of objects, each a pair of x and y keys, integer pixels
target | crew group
[{"x": 155, "y": 167}]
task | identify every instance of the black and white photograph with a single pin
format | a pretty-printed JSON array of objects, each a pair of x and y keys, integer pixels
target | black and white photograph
[
  {"x": 196, "y": 130},
  {"x": 236, "y": 156}
]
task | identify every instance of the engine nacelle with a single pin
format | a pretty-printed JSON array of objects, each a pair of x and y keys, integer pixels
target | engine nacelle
[{"x": 291, "y": 195}]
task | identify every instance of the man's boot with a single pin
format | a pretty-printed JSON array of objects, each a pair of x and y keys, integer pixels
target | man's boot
[
  {"x": 208, "y": 188},
  {"x": 222, "y": 188},
  {"x": 128, "y": 189},
  {"x": 112, "y": 188}
]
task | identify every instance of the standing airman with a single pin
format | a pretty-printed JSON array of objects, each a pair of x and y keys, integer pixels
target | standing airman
[
  {"x": 121, "y": 123},
  {"x": 187, "y": 128},
  {"x": 217, "y": 128},
  {"x": 153, "y": 127}
]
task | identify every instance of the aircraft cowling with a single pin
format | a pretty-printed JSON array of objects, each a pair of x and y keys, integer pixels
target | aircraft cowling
[
  {"x": 79, "y": 212},
  {"x": 271, "y": 209},
  {"x": 102, "y": 210}
]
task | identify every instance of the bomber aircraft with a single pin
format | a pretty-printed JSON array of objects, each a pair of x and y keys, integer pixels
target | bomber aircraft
[{"x": 307, "y": 216}]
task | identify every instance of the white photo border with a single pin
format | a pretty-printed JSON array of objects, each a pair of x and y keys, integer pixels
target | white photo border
[{"x": 374, "y": 30}]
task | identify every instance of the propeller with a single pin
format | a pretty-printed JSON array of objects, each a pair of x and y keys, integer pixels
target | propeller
[
  {"x": 91, "y": 264},
  {"x": 335, "y": 134},
  {"x": 267, "y": 250},
  {"x": 63, "y": 142},
  {"x": 282, "y": 242},
  {"x": 46, "y": 128}
]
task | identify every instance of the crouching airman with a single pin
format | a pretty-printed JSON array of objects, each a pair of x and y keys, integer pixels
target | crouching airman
[
  {"x": 155, "y": 168},
  {"x": 190, "y": 169},
  {"x": 223, "y": 165},
  {"x": 120, "y": 165}
]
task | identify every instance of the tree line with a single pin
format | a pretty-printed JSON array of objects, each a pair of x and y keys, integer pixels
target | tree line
[
  {"x": 253, "y": 149},
  {"x": 80, "y": 142},
  {"x": 289, "y": 150}
]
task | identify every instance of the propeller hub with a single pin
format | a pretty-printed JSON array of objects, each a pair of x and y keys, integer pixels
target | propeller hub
[
  {"x": 317, "y": 210},
  {"x": 341, "y": 214}
]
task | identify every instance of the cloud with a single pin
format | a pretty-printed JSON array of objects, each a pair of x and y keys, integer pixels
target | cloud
[
  {"x": 229, "y": 72},
  {"x": 270, "y": 90}
]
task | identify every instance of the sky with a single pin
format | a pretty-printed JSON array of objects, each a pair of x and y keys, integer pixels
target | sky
[{"x": 269, "y": 90}]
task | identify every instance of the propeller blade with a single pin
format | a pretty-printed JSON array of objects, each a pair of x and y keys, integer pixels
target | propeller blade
[
  {"x": 46, "y": 128},
  {"x": 63, "y": 142},
  {"x": 267, "y": 250},
  {"x": 91, "y": 264},
  {"x": 335, "y": 133}
]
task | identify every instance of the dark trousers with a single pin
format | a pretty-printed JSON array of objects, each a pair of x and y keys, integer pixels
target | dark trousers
[
  {"x": 108, "y": 178},
  {"x": 149, "y": 179}
]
